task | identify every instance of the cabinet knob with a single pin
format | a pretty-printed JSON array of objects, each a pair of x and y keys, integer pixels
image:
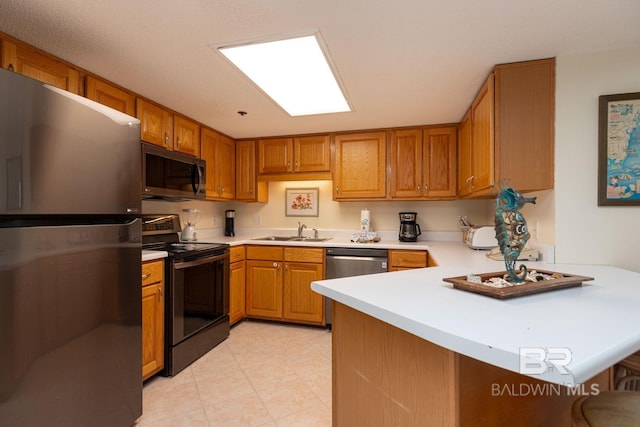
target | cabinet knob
[
  {"x": 419, "y": 189},
  {"x": 275, "y": 264},
  {"x": 11, "y": 68},
  {"x": 426, "y": 188},
  {"x": 166, "y": 139},
  {"x": 296, "y": 165},
  {"x": 251, "y": 191},
  {"x": 337, "y": 190},
  {"x": 178, "y": 140}
]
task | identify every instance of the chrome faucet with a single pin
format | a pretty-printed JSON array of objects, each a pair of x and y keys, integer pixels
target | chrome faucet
[
  {"x": 315, "y": 233},
  {"x": 300, "y": 228}
]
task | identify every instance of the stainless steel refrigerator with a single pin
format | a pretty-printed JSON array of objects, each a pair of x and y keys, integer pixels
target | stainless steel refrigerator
[{"x": 70, "y": 268}]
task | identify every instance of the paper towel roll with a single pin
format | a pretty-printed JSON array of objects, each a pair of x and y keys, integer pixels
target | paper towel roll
[{"x": 365, "y": 220}]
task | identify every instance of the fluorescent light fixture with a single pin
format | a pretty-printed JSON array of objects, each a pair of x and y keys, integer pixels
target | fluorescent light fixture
[{"x": 294, "y": 72}]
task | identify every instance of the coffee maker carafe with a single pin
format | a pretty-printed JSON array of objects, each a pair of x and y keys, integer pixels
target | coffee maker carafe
[
  {"x": 409, "y": 229},
  {"x": 229, "y": 216}
]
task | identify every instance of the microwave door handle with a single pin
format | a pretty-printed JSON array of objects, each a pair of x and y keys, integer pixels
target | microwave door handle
[{"x": 196, "y": 185}]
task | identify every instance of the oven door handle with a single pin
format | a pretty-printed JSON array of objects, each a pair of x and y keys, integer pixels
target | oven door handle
[{"x": 186, "y": 264}]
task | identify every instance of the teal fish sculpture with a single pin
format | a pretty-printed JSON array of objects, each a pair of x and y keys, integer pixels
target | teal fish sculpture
[{"x": 511, "y": 230}]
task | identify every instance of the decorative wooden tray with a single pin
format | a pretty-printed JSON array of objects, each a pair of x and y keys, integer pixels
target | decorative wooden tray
[{"x": 567, "y": 281}]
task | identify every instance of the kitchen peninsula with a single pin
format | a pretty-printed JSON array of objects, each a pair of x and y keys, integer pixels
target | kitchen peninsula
[{"x": 410, "y": 350}]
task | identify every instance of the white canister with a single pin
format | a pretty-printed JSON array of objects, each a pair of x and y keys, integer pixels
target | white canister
[{"x": 365, "y": 221}]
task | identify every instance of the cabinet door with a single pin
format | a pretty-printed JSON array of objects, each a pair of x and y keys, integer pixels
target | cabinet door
[
  {"x": 312, "y": 154},
  {"x": 360, "y": 166},
  {"x": 464, "y": 155},
  {"x": 156, "y": 124},
  {"x": 33, "y": 63},
  {"x": 439, "y": 163},
  {"x": 301, "y": 304},
  {"x": 152, "y": 329},
  {"x": 109, "y": 95},
  {"x": 482, "y": 141},
  {"x": 187, "y": 136},
  {"x": 405, "y": 260},
  {"x": 264, "y": 289},
  {"x": 275, "y": 155},
  {"x": 237, "y": 296},
  {"x": 405, "y": 161},
  {"x": 248, "y": 189},
  {"x": 219, "y": 153}
]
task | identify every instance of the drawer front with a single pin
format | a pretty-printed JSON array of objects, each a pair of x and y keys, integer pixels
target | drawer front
[
  {"x": 415, "y": 259},
  {"x": 236, "y": 253},
  {"x": 304, "y": 254},
  {"x": 269, "y": 253},
  {"x": 152, "y": 272}
]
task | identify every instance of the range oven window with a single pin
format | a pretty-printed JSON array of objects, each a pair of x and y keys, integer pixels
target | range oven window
[{"x": 199, "y": 295}]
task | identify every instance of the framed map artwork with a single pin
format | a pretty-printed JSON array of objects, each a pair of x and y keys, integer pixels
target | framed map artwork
[
  {"x": 619, "y": 150},
  {"x": 301, "y": 202}
]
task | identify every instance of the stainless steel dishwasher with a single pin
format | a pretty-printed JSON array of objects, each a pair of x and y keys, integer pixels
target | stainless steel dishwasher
[{"x": 347, "y": 262}]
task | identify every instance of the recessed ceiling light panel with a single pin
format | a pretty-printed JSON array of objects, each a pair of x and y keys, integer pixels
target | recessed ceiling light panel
[{"x": 294, "y": 72}]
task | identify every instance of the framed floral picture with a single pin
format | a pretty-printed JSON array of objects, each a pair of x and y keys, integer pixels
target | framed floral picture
[{"x": 301, "y": 202}]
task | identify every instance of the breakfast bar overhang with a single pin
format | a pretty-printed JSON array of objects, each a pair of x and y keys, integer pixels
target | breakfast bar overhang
[{"x": 410, "y": 350}]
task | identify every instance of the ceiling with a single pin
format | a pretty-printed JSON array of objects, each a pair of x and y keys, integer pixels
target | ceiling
[{"x": 402, "y": 62}]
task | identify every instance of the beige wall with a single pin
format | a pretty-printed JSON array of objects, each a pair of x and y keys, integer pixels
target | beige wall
[
  {"x": 432, "y": 215},
  {"x": 586, "y": 233}
]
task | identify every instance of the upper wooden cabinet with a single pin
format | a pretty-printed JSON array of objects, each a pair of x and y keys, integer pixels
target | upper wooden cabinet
[
  {"x": 107, "y": 94},
  {"x": 300, "y": 155},
  {"x": 186, "y": 134},
  {"x": 464, "y": 155},
  {"x": 31, "y": 62},
  {"x": 510, "y": 131},
  {"x": 219, "y": 153},
  {"x": 248, "y": 189},
  {"x": 156, "y": 124},
  {"x": 360, "y": 166},
  {"x": 423, "y": 163}
]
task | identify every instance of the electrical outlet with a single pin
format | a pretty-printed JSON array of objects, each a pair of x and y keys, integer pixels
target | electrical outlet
[{"x": 257, "y": 220}]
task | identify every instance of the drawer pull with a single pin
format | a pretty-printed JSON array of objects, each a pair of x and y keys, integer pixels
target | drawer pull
[{"x": 146, "y": 276}]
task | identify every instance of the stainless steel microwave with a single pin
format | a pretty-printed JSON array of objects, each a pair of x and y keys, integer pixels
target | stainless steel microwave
[{"x": 171, "y": 175}]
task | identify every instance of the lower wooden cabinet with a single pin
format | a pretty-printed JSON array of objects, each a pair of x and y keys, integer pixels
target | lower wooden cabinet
[
  {"x": 278, "y": 283},
  {"x": 237, "y": 292},
  {"x": 407, "y": 259},
  {"x": 152, "y": 317}
]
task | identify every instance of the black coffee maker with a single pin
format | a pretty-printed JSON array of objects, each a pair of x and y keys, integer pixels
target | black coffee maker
[
  {"x": 409, "y": 229},
  {"x": 228, "y": 222}
]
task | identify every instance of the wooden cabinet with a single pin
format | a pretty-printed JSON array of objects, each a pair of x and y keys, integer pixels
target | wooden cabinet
[
  {"x": 107, "y": 94},
  {"x": 186, "y": 134},
  {"x": 156, "y": 124},
  {"x": 237, "y": 293},
  {"x": 31, "y": 62},
  {"x": 248, "y": 189},
  {"x": 219, "y": 153},
  {"x": 464, "y": 155},
  {"x": 278, "y": 283},
  {"x": 152, "y": 317},
  {"x": 360, "y": 166},
  {"x": 422, "y": 163},
  {"x": 407, "y": 259},
  {"x": 510, "y": 131},
  {"x": 160, "y": 127},
  {"x": 299, "y": 158}
]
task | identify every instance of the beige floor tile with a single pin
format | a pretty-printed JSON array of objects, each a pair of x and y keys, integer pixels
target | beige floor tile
[{"x": 266, "y": 374}]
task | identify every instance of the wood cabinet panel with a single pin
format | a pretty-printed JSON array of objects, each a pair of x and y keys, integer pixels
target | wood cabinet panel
[
  {"x": 312, "y": 154},
  {"x": 107, "y": 94},
  {"x": 403, "y": 259},
  {"x": 236, "y": 253},
  {"x": 31, "y": 62},
  {"x": 156, "y": 124},
  {"x": 275, "y": 155},
  {"x": 301, "y": 254},
  {"x": 265, "y": 252},
  {"x": 360, "y": 166},
  {"x": 237, "y": 291},
  {"x": 248, "y": 189},
  {"x": 152, "y": 317},
  {"x": 482, "y": 142},
  {"x": 464, "y": 155},
  {"x": 439, "y": 162},
  {"x": 219, "y": 153},
  {"x": 264, "y": 289},
  {"x": 405, "y": 159},
  {"x": 300, "y": 302},
  {"x": 186, "y": 136}
]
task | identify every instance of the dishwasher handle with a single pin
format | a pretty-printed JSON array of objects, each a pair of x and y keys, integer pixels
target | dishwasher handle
[{"x": 356, "y": 258}]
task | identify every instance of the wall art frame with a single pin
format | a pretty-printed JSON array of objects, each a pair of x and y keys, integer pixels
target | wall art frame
[
  {"x": 619, "y": 150},
  {"x": 302, "y": 202}
]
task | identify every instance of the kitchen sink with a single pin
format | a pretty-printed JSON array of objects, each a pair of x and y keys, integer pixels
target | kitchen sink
[
  {"x": 277, "y": 238},
  {"x": 292, "y": 239}
]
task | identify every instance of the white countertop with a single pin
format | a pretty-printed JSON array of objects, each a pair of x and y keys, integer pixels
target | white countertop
[{"x": 597, "y": 322}]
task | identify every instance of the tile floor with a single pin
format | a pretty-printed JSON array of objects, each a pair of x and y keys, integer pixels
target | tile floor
[{"x": 265, "y": 374}]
